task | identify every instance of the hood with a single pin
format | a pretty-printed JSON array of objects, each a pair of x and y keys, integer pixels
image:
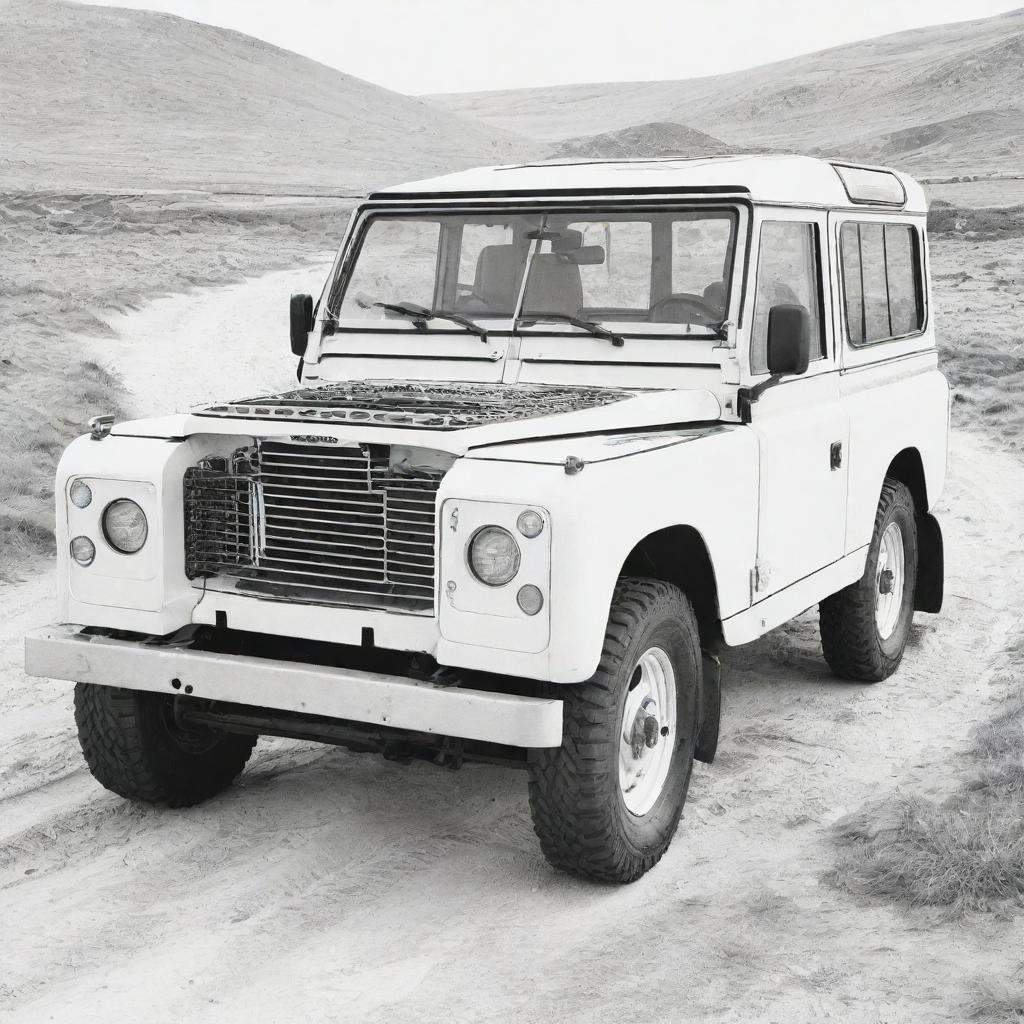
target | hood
[{"x": 449, "y": 416}]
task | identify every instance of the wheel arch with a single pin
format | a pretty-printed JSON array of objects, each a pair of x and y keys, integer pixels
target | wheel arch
[
  {"x": 679, "y": 555},
  {"x": 908, "y": 467}
]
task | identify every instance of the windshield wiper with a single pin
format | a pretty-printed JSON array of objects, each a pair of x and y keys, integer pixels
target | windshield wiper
[
  {"x": 564, "y": 318},
  {"x": 420, "y": 315}
]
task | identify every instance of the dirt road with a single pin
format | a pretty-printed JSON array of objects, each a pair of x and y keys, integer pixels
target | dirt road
[{"x": 327, "y": 886}]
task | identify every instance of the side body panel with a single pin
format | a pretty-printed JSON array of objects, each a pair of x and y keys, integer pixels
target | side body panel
[
  {"x": 893, "y": 391},
  {"x": 893, "y": 407}
]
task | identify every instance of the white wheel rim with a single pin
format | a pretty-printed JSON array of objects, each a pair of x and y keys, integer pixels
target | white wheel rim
[
  {"x": 890, "y": 576},
  {"x": 643, "y": 769}
]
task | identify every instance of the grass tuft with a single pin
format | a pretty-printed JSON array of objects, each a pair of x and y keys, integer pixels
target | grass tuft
[
  {"x": 998, "y": 1001},
  {"x": 960, "y": 855},
  {"x": 963, "y": 855}
]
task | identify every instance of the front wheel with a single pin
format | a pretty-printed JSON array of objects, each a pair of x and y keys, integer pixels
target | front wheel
[
  {"x": 607, "y": 802},
  {"x": 135, "y": 747}
]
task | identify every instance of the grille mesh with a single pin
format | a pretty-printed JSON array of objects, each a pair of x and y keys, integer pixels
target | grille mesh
[
  {"x": 428, "y": 405},
  {"x": 313, "y": 523}
]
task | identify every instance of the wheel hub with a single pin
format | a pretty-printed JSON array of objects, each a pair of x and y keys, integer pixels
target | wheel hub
[
  {"x": 646, "y": 728},
  {"x": 890, "y": 575},
  {"x": 648, "y": 717}
]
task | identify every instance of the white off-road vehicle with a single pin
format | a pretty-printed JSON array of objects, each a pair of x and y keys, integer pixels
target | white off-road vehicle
[{"x": 560, "y": 432}]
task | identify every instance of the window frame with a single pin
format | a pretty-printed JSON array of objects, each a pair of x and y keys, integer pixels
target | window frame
[
  {"x": 920, "y": 280},
  {"x": 824, "y": 310},
  {"x": 364, "y": 216}
]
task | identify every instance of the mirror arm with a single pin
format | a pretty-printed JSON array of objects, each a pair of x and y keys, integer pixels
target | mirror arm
[
  {"x": 754, "y": 393},
  {"x": 746, "y": 397}
]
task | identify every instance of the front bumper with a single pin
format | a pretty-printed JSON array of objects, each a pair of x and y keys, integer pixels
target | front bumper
[{"x": 62, "y": 652}]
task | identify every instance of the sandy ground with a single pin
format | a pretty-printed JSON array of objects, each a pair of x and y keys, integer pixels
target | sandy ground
[
  {"x": 185, "y": 350},
  {"x": 331, "y": 886}
]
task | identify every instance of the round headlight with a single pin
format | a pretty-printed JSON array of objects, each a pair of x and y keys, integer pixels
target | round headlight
[
  {"x": 81, "y": 494},
  {"x": 530, "y": 523},
  {"x": 493, "y": 556},
  {"x": 83, "y": 551},
  {"x": 125, "y": 526}
]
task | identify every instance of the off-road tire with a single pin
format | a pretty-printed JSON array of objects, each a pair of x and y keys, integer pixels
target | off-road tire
[
  {"x": 577, "y": 805},
  {"x": 133, "y": 749},
  {"x": 850, "y": 639}
]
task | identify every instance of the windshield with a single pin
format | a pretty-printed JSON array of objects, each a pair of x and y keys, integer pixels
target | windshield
[{"x": 638, "y": 267}]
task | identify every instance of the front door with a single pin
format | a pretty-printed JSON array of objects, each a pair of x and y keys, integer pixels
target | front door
[{"x": 801, "y": 425}]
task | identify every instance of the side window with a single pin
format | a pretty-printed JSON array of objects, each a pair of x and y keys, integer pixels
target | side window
[
  {"x": 882, "y": 288},
  {"x": 788, "y": 272}
]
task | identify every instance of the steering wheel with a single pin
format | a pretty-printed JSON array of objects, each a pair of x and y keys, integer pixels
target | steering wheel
[{"x": 706, "y": 313}]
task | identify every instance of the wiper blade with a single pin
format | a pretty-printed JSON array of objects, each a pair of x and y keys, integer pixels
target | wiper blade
[
  {"x": 420, "y": 315},
  {"x": 565, "y": 318}
]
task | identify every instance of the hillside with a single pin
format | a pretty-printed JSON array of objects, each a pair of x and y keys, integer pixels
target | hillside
[
  {"x": 946, "y": 97},
  {"x": 660, "y": 138},
  {"x": 110, "y": 98}
]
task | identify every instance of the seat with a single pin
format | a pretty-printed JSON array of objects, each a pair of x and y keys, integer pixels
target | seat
[
  {"x": 554, "y": 286},
  {"x": 499, "y": 273},
  {"x": 714, "y": 295}
]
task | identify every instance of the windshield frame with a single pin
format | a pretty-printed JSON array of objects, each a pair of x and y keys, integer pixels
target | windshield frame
[{"x": 735, "y": 261}]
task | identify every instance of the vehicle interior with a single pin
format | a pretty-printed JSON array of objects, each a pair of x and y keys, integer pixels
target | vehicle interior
[{"x": 635, "y": 270}]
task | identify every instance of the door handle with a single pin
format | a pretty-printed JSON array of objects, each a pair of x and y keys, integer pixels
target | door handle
[{"x": 835, "y": 455}]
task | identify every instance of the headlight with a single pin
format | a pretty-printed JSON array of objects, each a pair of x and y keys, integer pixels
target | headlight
[
  {"x": 125, "y": 526},
  {"x": 493, "y": 556}
]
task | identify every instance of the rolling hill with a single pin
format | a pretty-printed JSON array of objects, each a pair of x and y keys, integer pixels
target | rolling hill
[
  {"x": 100, "y": 97},
  {"x": 941, "y": 98},
  {"x": 660, "y": 138}
]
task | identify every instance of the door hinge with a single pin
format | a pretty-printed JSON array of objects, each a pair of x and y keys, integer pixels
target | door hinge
[
  {"x": 835, "y": 455},
  {"x": 760, "y": 577}
]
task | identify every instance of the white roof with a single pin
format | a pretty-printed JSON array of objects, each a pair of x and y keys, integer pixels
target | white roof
[{"x": 800, "y": 180}]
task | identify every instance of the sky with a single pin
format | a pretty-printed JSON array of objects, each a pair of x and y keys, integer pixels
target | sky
[{"x": 425, "y": 46}]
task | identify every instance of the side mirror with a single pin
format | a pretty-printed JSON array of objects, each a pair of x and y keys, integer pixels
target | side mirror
[
  {"x": 789, "y": 340},
  {"x": 301, "y": 315}
]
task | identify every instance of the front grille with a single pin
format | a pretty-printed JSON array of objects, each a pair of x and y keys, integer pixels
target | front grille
[{"x": 312, "y": 523}]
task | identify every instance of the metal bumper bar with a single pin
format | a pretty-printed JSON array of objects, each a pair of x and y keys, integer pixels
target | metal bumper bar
[{"x": 61, "y": 652}]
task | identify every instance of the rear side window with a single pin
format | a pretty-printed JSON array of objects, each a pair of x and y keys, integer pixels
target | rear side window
[{"x": 882, "y": 284}]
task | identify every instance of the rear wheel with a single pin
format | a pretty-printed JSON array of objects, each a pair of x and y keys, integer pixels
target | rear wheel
[
  {"x": 607, "y": 802},
  {"x": 864, "y": 627},
  {"x": 135, "y": 747}
]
